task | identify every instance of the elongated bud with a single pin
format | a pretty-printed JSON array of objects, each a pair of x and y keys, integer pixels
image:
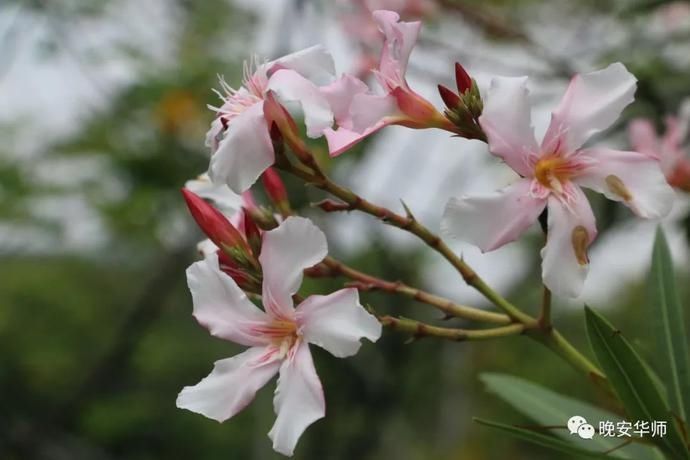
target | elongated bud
[
  {"x": 420, "y": 113},
  {"x": 215, "y": 225},
  {"x": 462, "y": 79},
  {"x": 251, "y": 232},
  {"x": 276, "y": 191},
  {"x": 279, "y": 118},
  {"x": 451, "y": 99},
  {"x": 242, "y": 277}
]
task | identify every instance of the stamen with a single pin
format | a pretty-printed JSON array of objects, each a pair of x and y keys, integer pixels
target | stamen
[{"x": 580, "y": 241}]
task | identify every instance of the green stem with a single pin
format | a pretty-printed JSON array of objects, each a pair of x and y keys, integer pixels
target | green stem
[
  {"x": 549, "y": 337},
  {"x": 418, "y": 329}
]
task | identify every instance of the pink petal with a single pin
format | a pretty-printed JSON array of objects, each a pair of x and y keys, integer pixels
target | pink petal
[
  {"x": 340, "y": 94},
  {"x": 400, "y": 38},
  {"x": 221, "y": 306},
  {"x": 369, "y": 111},
  {"x": 314, "y": 63},
  {"x": 342, "y": 139},
  {"x": 214, "y": 134},
  {"x": 232, "y": 384},
  {"x": 492, "y": 220},
  {"x": 568, "y": 221},
  {"x": 507, "y": 122},
  {"x": 245, "y": 151},
  {"x": 337, "y": 322},
  {"x": 592, "y": 102},
  {"x": 299, "y": 399},
  {"x": 643, "y": 137},
  {"x": 630, "y": 177},
  {"x": 285, "y": 252},
  {"x": 292, "y": 87}
]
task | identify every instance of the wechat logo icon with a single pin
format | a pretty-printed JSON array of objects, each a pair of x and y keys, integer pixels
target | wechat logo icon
[{"x": 578, "y": 425}]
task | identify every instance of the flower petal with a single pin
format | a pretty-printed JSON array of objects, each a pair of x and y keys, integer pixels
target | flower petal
[
  {"x": 400, "y": 38},
  {"x": 340, "y": 94},
  {"x": 221, "y": 306},
  {"x": 643, "y": 137},
  {"x": 571, "y": 229},
  {"x": 292, "y": 87},
  {"x": 245, "y": 151},
  {"x": 285, "y": 252},
  {"x": 314, "y": 63},
  {"x": 220, "y": 194},
  {"x": 507, "y": 122},
  {"x": 299, "y": 399},
  {"x": 630, "y": 177},
  {"x": 492, "y": 220},
  {"x": 343, "y": 139},
  {"x": 369, "y": 111},
  {"x": 232, "y": 384},
  {"x": 337, "y": 322},
  {"x": 592, "y": 102}
]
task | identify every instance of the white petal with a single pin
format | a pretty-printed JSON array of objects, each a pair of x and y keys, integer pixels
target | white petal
[
  {"x": 285, "y": 252},
  {"x": 220, "y": 194},
  {"x": 292, "y": 87},
  {"x": 337, "y": 322},
  {"x": 561, "y": 270},
  {"x": 592, "y": 102},
  {"x": 231, "y": 386},
  {"x": 507, "y": 122},
  {"x": 645, "y": 189},
  {"x": 221, "y": 306},
  {"x": 314, "y": 63},
  {"x": 299, "y": 400},
  {"x": 245, "y": 151},
  {"x": 492, "y": 220}
]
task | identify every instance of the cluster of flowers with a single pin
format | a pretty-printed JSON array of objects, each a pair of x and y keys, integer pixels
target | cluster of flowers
[{"x": 268, "y": 261}]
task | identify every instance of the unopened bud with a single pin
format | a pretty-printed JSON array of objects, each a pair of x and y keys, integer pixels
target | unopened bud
[
  {"x": 278, "y": 118},
  {"x": 276, "y": 191},
  {"x": 251, "y": 232},
  {"x": 451, "y": 99},
  {"x": 215, "y": 225},
  {"x": 462, "y": 79}
]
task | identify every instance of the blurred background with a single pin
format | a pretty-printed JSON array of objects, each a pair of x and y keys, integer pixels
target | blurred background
[{"x": 102, "y": 120}]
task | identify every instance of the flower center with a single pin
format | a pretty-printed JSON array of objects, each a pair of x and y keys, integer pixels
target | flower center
[{"x": 553, "y": 170}]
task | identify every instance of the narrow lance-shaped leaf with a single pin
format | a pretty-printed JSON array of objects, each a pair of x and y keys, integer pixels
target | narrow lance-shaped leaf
[
  {"x": 544, "y": 440},
  {"x": 633, "y": 383},
  {"x": 669, "y": 326},
  {"x": 551, "y": 409}
]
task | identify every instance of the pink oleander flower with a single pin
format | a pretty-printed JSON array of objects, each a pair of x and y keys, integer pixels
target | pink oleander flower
[
  {"x": 239, "y": 137},
  {"x": 278, "y": 337},
  {"x": 669, "y": 150},
  {"x": 360, "y": 113},
  {"x": 553, "y": 174}
]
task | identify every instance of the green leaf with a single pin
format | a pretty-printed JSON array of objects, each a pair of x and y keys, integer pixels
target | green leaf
[
  {"x": 551, "y": 409},
  {"x": 632, "y": 381},
  {"x": 669, "y": 326},
  {"x": 543, "y": 440}
]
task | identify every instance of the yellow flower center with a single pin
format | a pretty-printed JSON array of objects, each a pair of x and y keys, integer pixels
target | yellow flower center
[{"x": 552, "y": 170}]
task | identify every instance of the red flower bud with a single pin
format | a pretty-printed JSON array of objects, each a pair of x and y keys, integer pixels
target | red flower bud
[
  {"x": 214, "y": 224},
  {"x": 451, "y": 99},
  {"x": 462, "y": 79},
  {"x": 251, "y": 232},
  {"x": 275, "y": 189},
  {"x": 282, "y": 125}
]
